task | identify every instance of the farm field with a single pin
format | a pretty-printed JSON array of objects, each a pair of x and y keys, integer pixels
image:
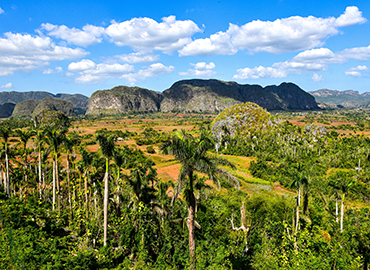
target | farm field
[{"x": 113, "y": 192}]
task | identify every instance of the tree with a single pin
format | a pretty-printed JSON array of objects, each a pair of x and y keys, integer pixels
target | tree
[
  {"x": 54, "y": 138},
  {"x": 5, "y": 134},
  {"x": 24, "y": 137},
  {"x": 69, "y": 143},
  {"x": 192, "y": 153},
  {"x": 341, "y": 182},
  {"x": 107, "y": 145},
  {"x": 299, "y": 181}
]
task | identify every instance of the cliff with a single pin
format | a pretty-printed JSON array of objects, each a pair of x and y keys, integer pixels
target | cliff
[{"x": 123, "y": 99}]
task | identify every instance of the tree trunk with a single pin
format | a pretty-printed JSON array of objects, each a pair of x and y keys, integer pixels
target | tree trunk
[
  {"x": 40, "y": 176},
  {"x": 86, "y": 198},
  {"x": 69, "y": 187},
  {"x": 57, "y": 180},
  {"x": 298, "y": 203},
  {"x": 342, "y": 214},
  {"x": 336, "y": 210},
  {"x": 191, "y": 211},
  {"x": 105, "y": 207},
  {"x": 7, "y": 174},
  {"x": 53, "y": 185}
]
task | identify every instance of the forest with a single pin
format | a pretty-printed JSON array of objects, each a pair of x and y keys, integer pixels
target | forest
[{"x": 242, "y": 189}]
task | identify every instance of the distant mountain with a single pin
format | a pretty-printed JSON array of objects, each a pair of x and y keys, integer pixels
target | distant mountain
[
  {"x": 200, "y": 96},
  {"x": 347, "y": 99},
  {"x": 215, "y": 95},
  {"x": 77, "y": 100},
  {"x": 6, "y": 110},
  {"x": 33, "y": 108}
]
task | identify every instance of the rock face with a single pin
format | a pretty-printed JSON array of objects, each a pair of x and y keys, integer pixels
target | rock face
[
  {"x": 214, "y": 95},
  {"x": 122, "y": 99},
  {"x": 33, "y": 108},
  {"x": 24, "y": 108},
  {"x": 6, "y": 110}
]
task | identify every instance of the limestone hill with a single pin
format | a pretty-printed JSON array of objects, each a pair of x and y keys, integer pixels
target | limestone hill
[
  {"x": 200, "y": 96},
  {"x": 33, "y": 108}
]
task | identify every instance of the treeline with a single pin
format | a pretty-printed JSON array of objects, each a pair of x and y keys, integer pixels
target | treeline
[{"x": 65, "y": 207}]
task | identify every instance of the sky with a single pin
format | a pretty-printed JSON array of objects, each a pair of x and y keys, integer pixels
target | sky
[{"x": 83, "y": 46}]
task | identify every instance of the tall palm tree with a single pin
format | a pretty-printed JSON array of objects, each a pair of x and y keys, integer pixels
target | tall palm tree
[
  {"x": 342, "y": 184},
  {"x": 24, "y": 137},
  {"x": 54, "y": 138},
  {"x": 107, "y": 146},
  {"x": 5, "y": 135},
  {"x": 192, "y": 153},
  {"x": 299, "y": 181},
  {"x": 69, "y": 144}
]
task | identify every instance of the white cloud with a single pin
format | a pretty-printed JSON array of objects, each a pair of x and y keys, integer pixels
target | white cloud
[
  {"x": 356, "y": 71},
  {"x": 52, "y": 71},
  {"x": 317, "y": 78},
  {"x": 218, "y": 43},
  {"x": 282, "y": 35},
  {"x": 148, "y": 72},
  {"x": 92, "y": 73},
  {"x": 8, "y": 85},
  {"x": 358, "y": 53},
  {"x": 201, "y": 69},
  {"x": 84, "y": 64},
  {"x": 259, "y": 72},
  {"x": 145, "y": 34},
  {"x": 350, "y": 17},
  {"x": 87, "y": 36},
  {"x": 1, "y": 11},
  {"x": 133, "y": 58},
  {"x": 26, "y": 53}
]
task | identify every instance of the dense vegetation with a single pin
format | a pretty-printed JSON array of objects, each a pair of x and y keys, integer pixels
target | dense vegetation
[{"x": 64, "y": 205}]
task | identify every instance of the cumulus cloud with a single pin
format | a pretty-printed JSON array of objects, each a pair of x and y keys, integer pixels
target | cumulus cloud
[
  {"x": 216, "y": 44},
  {"x": 312, "y": 60},
  {"x": 280, "y": 36},
  {"x": 201, "y": 69},
  {"x": 356, "y": 71},
  {"x": 1, "y": 11},
  {"x": 259, "y": 72},
  {"x": 145, "y": 34},
  {"x": 148, "y": 72},
  {"x": 317, "y": 78},
  {"x": 91, "y": 73},
  {"x": 26, "y": 53},
  {"x": 87, "y": 36},
  {"x": 8, "y": 85}
]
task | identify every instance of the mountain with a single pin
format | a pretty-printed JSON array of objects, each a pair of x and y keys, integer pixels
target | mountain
[
  {"x": 6, "y": 110},
  {"x": 215, "y": 95},
  {"x": 347, "y": 99},
  {"x": 33, "y": 108},
  {"x": 77, "y": 100},
  {"x": 200, "y": 96},
  {"x": 123, "y": 99}
]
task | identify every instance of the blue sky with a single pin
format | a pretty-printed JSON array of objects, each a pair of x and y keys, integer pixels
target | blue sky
[{"x": 84, "y": 46}]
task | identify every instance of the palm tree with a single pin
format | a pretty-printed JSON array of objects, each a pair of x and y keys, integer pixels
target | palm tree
[
  {"x": 107, "y": 145},
  {"x": 24, "y": 137},
  {"x": 54, "y": 138},
  {"x": 342, "y": 184},
  {"x": 69, "y": 143},
  {"x": 299, "y": 181},
  {"x": 5, "y": 134},
  {"x": 192, "y": 153}
]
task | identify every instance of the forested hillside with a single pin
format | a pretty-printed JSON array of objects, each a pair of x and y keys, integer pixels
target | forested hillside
[{"x": 244, "y": 189}]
